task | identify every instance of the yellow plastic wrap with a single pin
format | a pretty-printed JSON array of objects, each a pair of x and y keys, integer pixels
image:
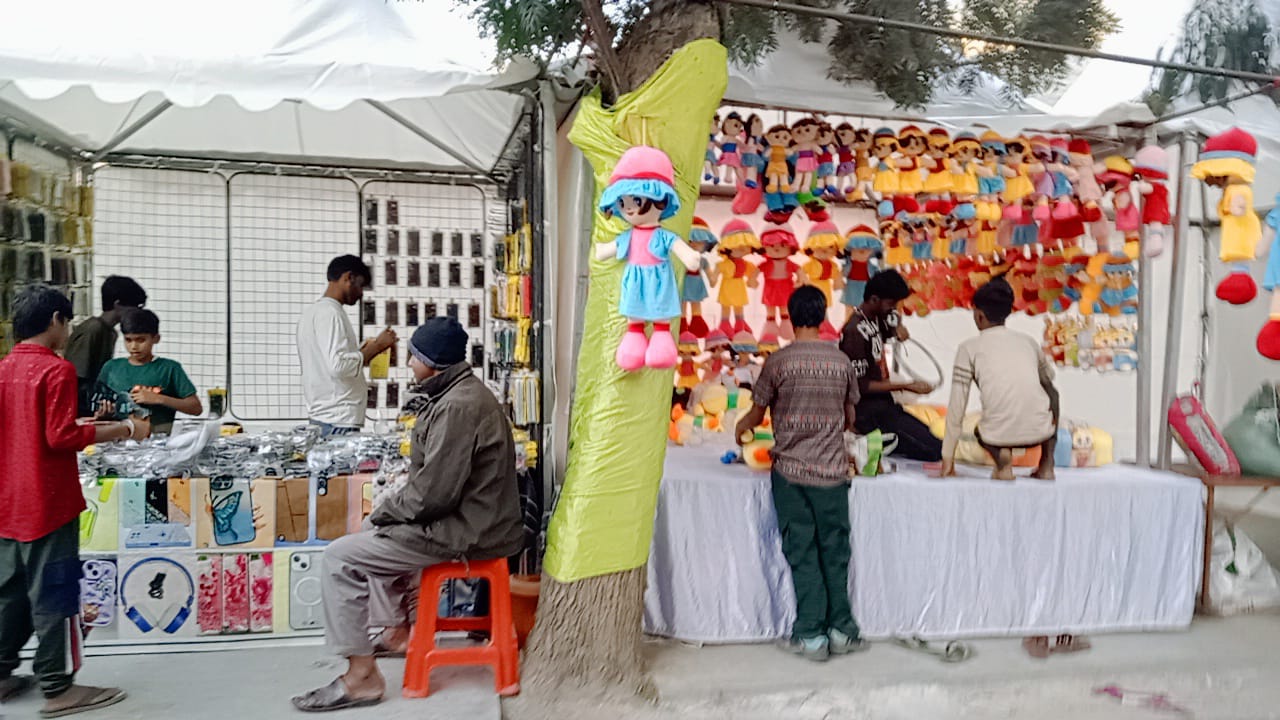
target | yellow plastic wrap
[{"x": 603, "y": 522}]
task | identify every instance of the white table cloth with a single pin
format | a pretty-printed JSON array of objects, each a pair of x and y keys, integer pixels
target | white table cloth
[{"x": 1112, "y": 549}]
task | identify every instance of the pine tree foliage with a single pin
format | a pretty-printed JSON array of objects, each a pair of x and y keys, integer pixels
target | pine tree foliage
[
  {"x": 1229, "y": 34},
  {"x": 908, "y": 67}
]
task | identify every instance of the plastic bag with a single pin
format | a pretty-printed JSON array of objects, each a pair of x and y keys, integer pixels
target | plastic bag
[
  {"x": 1240, "y": 578},
  {"x": 1254, "y": 434}
]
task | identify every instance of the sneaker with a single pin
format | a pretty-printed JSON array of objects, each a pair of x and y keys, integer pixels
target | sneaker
[
  {"x": 841, "y": 644},
  {"x": 814, "y": 648}
]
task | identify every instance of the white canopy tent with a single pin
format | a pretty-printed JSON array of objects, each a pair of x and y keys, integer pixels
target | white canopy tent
[{"x": 307, "y": 81}]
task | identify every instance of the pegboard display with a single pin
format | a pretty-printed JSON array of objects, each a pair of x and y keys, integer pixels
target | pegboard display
[
  {"x": 167, "y": 229},
  {"x": 429, "y": 249},
  {"x": 46, "y": 229},
  {"x": 284, "y": 231}
]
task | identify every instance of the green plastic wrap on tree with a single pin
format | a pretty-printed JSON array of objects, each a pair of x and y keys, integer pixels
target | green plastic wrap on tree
[{"x": 603, "y": 521}]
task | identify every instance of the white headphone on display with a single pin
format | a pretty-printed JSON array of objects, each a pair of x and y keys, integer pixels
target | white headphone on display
[{"x": 175, "y": 615}]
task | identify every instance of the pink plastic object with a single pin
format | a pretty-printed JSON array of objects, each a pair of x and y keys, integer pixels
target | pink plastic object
[{"x": 1199, "y": 437}]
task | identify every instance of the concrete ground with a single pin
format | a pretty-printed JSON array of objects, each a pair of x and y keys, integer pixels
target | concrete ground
[{"x": 1219, "y": 669}]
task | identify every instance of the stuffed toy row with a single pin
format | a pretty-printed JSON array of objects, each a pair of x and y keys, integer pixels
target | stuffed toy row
[
  {"x": 1227, "y": 161},
  {"x": 1080, "y": 342}
]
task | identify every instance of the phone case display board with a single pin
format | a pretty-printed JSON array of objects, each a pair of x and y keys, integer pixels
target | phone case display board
[
  {"x": 427, "y": 247},
  {"x": 46, "y": 230}
]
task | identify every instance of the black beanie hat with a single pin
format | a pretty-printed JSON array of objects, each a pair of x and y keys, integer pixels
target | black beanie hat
[{"x": 439, "y": 343}]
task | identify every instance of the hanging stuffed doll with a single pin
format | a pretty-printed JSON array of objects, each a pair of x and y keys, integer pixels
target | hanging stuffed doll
[
  {"x": 1150, "y": 167},
  {"x": 992, "y": 177},
  {"x": 826, "y": 182},
  {"x": 1084, "y": 180},
  {"x": 912, "y": 144},
  {"x": 776, "y": 171},
  {"x": 860, "y": 246},
  {"x": 1269, "y": 337},
  {"x": 641, "y": 191},
  {"x": 736, "y": 273},
  {"x": 847, "y": 169},
  {"x": 937, "y": 184},
  {"x": 731, "y": 143},
  {"x": 780, "y": 279},
  {"x": 752, "y": 152},
  {"x": 694, "y": 291},
  {"x": 864, "y": 172},
  {"x": 1018, "y": 160},
  {"x": 687, "y": 371},
  {"x": 1227, "y": 161},
  {"x": 823, "y": 269},
  {"x": 1119, "y": 294},
  {"x": 709, "y": 159},
  {"x": 885, "y": 182},
  {"x": 897, "y": 242},
  {"x": 804, "y": 144},
  {"x": 1117, "y": 179},
  {"x": 964, "y": 175}
]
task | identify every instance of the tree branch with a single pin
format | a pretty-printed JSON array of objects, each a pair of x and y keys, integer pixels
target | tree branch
[{"x": 602, "y": 35}]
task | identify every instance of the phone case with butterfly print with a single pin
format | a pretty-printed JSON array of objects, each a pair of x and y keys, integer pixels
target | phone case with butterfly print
[{"x": 232, "y": 511}]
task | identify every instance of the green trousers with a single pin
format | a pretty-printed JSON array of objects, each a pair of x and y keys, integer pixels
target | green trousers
[
  {"x": 814, "y": 523},
  {"x": 40, "y": 593}
]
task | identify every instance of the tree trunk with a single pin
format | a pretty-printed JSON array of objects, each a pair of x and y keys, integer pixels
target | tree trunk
[{"x": 588, "y": 633}]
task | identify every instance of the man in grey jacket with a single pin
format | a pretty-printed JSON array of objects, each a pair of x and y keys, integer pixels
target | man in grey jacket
[{"x": 461, "y": 501}]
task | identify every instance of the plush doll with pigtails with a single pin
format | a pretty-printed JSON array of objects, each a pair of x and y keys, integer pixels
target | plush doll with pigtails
[
  {"x": 1269, "y": 337},
  {"x": 885, "y": 181},
  {"x": 992, "y": 177},
  {"x": 753, "y": 152},
  {"x": 823, "y": 271},
  {"x": 937, "y": 184},
  {"x": 804, "y": 144},
  {"x": 732, "y": 141},
  {"x": 1083, "y": 174},
  {"x": 1227, "y": 161},
  {"x": 861, "y": 245},
  {"x": 846, "y": 157},
  {"x": 965, "y": 149},
  {"x": 776, "y": 171},
  {"x": 735, "y": 273},
  {"x": 694, "y": 290},
  {"x": 781, "y": 276},
  {"x": 1151, "y": 169},
  {"x": 1018, "y": 186},
  {"x": 642, "y": 191},
  {"x": 826, "y": 183},
  {"x": 709, "y": 173},
  {"x": 1117, "y": 179}
]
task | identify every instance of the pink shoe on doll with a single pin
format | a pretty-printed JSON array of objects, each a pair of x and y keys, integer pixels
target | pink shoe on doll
[
  {"x": 631, "y": 351},
  {"x": 661, "y": 352}
]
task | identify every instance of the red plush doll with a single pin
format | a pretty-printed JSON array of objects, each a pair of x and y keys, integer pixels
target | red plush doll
[
  {"x": 781, "y": 277},
  {"x": 1151, "y": 166}
]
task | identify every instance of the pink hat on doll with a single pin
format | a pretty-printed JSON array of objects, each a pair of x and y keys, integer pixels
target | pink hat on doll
[
  {"x": 645, "y": 172},
  {"x": 823, "y": 235},
  {"x": 1152, "y": 162},
  {"x": 644, "y": 163},
  {"x": 737, "y": 233},
  {"x": 779, "y": 234}
]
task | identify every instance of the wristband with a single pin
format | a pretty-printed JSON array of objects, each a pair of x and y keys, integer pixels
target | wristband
[{"x": 132, "y": 428}]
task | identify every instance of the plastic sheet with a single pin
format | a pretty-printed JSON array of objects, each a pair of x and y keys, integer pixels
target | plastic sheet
[
  {"x": 604, "y": 517},
  {"x": 1099, "y": 550}
]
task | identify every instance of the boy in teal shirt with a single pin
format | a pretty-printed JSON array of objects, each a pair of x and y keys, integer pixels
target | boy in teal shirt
[{"x": 157, "y": 384}]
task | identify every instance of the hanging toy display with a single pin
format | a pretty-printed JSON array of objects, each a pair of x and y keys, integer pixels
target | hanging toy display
[
  {"x": 641, "y": 191},
  {"x": 1227, "y": 162},
  {"x": 732, "y": 139},
  {"x": 992, "y": 177},
  {"x": 752, "y": 155},
  {"x": 776, "y": 171},
  {"x": 823, "y": 271},
  {"x": 804, "y": 144},
  {"x": 912, "y": 144},
  {"x": 1117, "y": 179},
  {"x": 937, "y": 182},
  {"x": 885, "y": 182},
  {"x": 861, "y": 245},
  {"x": 964, "y": 175},
  {"x": 694, "y": 290},
  {"x": 735, "y": 273},
  {"x": 1151, "y": 169},
  {"x": 781, "y": 277},
  {"x": 847, "y": 169},
  {"x": 710, "y": 159},
  {"x": 827, "y": 184},
  {"x": 1269, "y": 336}
]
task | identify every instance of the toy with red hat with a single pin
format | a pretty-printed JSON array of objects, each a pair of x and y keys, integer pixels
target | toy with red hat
[
  {"x": 642, "y": 191},
  {"x": 687, "y": 371},
  {"x": 884, "y": 162},
  {"x": 824, "y": 246},
  {"x": 937, "y": 159},
  {"x": 912, "y": 144},
  {"x": 780, "y": 278},
  {"x": 861, "y": 244},
  {"x": 694, "y": 290},
  {"x": 735, "y": 273},
  {"x": 1151, "y": 169},
  {"x": 1227, "y": 161}
]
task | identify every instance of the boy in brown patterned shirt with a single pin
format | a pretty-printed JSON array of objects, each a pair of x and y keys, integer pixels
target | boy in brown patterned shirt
[{"x": 811, "y": 390}]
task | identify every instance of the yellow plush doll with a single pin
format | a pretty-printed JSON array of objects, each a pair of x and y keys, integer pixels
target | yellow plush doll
[{"x": 1227, "y": 162}]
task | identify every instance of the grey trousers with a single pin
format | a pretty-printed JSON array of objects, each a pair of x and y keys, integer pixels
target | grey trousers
[
  {"x": 40, "y": 593},
  {"x": 365, "y": 584}
]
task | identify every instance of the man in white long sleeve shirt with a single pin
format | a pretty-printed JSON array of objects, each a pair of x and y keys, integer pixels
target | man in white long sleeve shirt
[
  {"x": 1019, "y": 401},
  {"x": 333, "y": 382}
]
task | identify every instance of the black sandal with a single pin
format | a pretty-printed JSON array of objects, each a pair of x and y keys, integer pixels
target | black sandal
[{"x": 331, "y": 697}]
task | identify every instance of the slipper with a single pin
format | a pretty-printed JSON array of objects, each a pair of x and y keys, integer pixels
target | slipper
[
  {"x": 331, "y": 697},
  {"x": 1037, "y": 647},
  {"x": 15, "y": 685},
  {"x": 1072, "y": 644},
  {"x": 953, "y": 652},
  {"x": 103, "y": 697}
]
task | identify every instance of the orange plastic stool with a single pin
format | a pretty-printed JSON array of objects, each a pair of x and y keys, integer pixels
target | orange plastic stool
[{"x": 500, "y": 652}]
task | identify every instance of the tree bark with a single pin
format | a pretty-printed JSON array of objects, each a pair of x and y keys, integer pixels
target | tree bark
[{"x": 669, "y": 25}]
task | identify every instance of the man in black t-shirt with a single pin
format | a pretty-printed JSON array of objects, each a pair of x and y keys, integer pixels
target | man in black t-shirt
[{"x": 875, "y": 322}]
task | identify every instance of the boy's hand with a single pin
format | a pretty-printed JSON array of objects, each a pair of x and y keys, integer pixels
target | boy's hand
[
  {"x": 141, "y": 427},
  {"x": 146, "y": 395},
  {"x": 106, "y": 409},
  {"x": 919, "y": 387},
  {"x": 903, "y": 335},
  {"x": 948, "y": 469}
]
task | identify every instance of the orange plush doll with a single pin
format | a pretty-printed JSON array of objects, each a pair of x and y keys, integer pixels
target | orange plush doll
[
  {"x": 735, "y": 273},
  {"x": 912, "y": 143},
  {"x": 823, "y": 269},
  {"x": 885, "y": 180},
  {"x": 776, "y": 170},
  {"x": 780, "y": 278}
]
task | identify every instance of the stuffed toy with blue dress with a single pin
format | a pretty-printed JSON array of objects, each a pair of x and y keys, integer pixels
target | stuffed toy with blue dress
[{"x": 642, "y": 192}]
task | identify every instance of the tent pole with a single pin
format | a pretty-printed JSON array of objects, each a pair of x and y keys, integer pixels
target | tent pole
[
  {"x": 883, "y": 22},
  {"x": 1177, "y": 291},
  {"x": 1145, "y": 359},
  {"x": 133, "y": 128},
  {"x": 413, "y": 128}
]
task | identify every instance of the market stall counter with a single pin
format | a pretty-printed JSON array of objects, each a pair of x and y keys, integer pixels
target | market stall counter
[{"x": 1110, "y": 549}]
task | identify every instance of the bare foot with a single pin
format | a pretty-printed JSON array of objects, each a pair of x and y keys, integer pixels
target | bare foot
[
  {"x": 1044, "y": 473},
  {"x": 1003, "y": 473},
  {"x": 392, "y": 641},
  {"x": 362, "y": 687},
  {"x": 1037, "y": 647}
]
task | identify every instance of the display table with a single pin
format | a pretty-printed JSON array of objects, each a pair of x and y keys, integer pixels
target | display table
[{"x": 1106, "y": 550}]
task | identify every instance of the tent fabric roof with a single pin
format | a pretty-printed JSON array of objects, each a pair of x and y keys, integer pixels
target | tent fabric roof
[{"x": 294, "y": 85}]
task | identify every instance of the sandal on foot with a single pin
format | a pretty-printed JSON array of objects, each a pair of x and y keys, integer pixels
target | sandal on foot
[
  {"x": 331, "y": 697},
  {"x": 1037, "y": 647},
  {"x": 94, "y": 699},
  {"x": 1070, "y": 644},
  {"x": 15, "y": 685}
]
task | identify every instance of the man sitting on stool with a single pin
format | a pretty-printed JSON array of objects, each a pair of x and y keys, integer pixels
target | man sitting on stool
[{"x": 461, "y": 501}]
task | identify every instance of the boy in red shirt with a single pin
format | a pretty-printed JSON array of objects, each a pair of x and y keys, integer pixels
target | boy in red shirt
[{"x": 40, "y": 505}]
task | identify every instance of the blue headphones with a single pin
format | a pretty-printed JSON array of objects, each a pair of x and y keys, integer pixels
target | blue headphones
[{"x": 175, "y": 615}]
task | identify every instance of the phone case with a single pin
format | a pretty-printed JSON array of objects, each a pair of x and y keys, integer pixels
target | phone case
[
  {"x": 437, "y": 243},
  {"x": 415, "y": 242},
  {"x": 1196, "y": 432},
  {"x": 261, "y": 592},
  {"x": 370, "y": 246},
  {"x": 393, "y": 212},
  {"x": 393, "y": 241},
  {"x": 477, "y": 276},
  {"x": 477, "y": 245},
  {"x": 209, "y": 615},
  {"x": 305, "y": 612},
  {"x": 235, "y": 592},
  {"x": 411, "y": 311},
  {"x": 456, "y": 244},
  {"x": 232, "y": 511},
  {"x": 331, "y": 508},
  {"x": 371, "y": 211},
  {"x": 291, "y": 509},
  {"x": 98, "y": 593}
]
